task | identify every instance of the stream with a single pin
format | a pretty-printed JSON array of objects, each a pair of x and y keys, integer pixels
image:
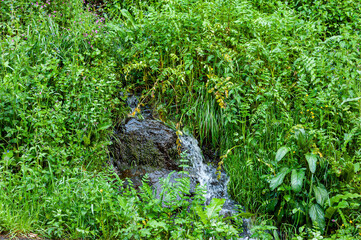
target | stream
[
  {"x": 147, "y": 146},
  {"x": 206, "y": 176}
]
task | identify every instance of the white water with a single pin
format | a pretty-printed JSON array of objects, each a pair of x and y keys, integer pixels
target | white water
[{"x": 206, "y": 176}]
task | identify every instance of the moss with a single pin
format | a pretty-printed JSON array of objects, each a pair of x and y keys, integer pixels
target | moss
[
  {"x": 142, "y": 152},
  {"x": 146, "y": 143}
]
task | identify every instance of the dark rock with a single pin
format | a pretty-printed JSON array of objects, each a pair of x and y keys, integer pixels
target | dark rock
[
  {"x": 132, "y": 101},
  {"x": 147, "y": 143}
]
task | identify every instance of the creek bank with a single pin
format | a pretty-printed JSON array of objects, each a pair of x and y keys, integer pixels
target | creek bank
[
  {"x": 147, "y": 147},
  {"x": 143, "y": 145}
]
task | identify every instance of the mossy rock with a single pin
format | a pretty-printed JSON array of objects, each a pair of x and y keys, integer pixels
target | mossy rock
[{"x": 148, "y": 142}]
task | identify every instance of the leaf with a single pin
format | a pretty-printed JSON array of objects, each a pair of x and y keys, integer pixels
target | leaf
[
  {"x": 127, "y": 14},
  {"x": 158, "y": 224},
  {"x": 317, "y": 215},
  {"x": 340, "y": 197},
  {"x": 321, "y": 194},
  {"x": 8, "y": 155},
  {"x": 350, "y": 100},
  {"x": 357, "y": 167},
  {"x": 278, "y": 179},
  {"x": 343, "y": 204},
  {"x": 329, "y": 212},
  {"x": 297, "y": 179},
  {"x": 201, "y": 214},
  {"x": 282, "y": 151},
  {"x": 104, "y": 126},
  {"x": 214, "y": 207},
  {"x": 312, "y": 161}
]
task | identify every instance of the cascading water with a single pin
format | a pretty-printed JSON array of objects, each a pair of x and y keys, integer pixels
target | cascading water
[
  {"x": 206, "y": 175},
  {"x": 157, "y": 142}
]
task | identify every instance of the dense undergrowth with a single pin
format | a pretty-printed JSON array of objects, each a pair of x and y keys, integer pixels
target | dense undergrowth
[
  {"x": 59, "y": 97},
  {"x": 273, "y": 85}
]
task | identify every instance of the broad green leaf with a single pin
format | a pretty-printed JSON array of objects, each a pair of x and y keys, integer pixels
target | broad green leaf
[
  {"x": 214, "y": 207},
  {"x": 158, "y": 224},
  {"x": 312, "y": 161},
  {"x": 201, "y": 214},
  {"x": 357, "y": 167},
  {"x": 282, "y": 151},
  {"x": 340, "y": 197},
  {"x": 8, "y": 155},
  {"x": 317, "y": 215},
  {"x": 297, "y": 177},
  {"x": 343, "y": 204},
  {"x": 127, "y": 14},
  {"x": 321, "y": 194},
  {"x": 104, "y": 126},
  {"x": 329, "y": 212},
  {"x": 278, "y": 179}
]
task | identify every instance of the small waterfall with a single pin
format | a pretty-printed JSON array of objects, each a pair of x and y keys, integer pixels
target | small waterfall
[{"x": 206, "y": 175}]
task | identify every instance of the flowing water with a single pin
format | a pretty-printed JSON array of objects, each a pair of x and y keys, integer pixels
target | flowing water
[
  {"x": 207, "y": 176},
  {"x": 200, "y": 172}
]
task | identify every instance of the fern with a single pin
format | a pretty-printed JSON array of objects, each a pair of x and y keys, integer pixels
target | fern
[{"x": 146, "y": 191}]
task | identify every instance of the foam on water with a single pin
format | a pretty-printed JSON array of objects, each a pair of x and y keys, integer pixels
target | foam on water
[{"x": 206, "y": 176}]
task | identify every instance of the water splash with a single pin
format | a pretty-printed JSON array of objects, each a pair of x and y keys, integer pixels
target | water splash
[{"x": 207, "y": 176}]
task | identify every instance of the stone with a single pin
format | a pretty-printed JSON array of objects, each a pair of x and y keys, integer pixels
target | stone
[{"x": 145, "y": 142}]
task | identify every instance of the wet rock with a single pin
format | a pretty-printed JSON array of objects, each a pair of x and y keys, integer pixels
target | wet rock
[
  {"x": 132, "y": 102},
  {"x": 145, "y": 142},
  {"x": 136, "y": 174}
]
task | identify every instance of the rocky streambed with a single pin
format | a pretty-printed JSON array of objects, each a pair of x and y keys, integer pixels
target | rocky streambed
[{"x": 147, "y": 146}]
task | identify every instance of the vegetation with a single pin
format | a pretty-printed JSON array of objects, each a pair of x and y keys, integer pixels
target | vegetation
[{"x": 272, "y": 85}]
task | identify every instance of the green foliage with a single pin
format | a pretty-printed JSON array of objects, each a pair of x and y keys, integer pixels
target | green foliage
[
  {"x": 264, "y": 231},
  {"x": 272, "y": 84},
  {"x": 307, "y": 195},
  {"x": 278, "y": 179},
  {"x": 332, "y": 14},
  {"x": 282, "y": 151},
  {"x": 297, "y": 179},
  {"x": 98, "y": 205},
  {"x": 57, "y": 98}
]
